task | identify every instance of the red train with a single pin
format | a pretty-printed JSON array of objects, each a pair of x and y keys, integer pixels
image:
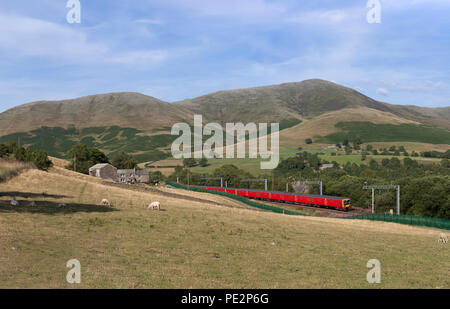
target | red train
[{"x": 340, "y": 203}]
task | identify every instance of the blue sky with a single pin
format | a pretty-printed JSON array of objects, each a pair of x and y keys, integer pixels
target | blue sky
[{"x": 177, "y": 49}]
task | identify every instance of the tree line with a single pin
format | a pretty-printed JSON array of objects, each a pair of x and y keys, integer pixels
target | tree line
[{"x": 11, "y": 151}]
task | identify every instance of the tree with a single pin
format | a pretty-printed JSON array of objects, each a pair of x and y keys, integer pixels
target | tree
[
  {"x": 156, "y": 177},
  {"x": 232, "y": 175},
  {"x": 124, "y": 161},
  {"x": 4, "y": 151},
  {"x": 41, "y": 160},
  {"x": 373, "y": 164},
  {"x": 309, "y": 141},
  {"x": 84, "y": 157},
  {"x": 22, "y": 154},
  {"x": 189, "y": 162},
  {"x": 203, "y": 162},
  {"x": 38, "y": 158}
]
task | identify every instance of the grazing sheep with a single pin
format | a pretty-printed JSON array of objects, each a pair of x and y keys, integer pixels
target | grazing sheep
[
  {"x": 33, "y": 204},
  {"x": 154, "y": 206},
  {"x": 62, "y": 205},
  {"x": 443, "y": 238},
  {"x": 14, "y": 202},
  {"x": 105, "y": 202}
]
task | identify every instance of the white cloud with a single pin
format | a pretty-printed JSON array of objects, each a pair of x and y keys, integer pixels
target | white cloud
[
  {"x": 246, "y": 10},
  {"x": 383, "y": 92},
  {"x": 24, "y": 36},
  {"x": 34, "y": 37},
  {"x": 148, "y": 57},
  {"x": 328, "y": 17},
  {"x": 422, "y": 86}
]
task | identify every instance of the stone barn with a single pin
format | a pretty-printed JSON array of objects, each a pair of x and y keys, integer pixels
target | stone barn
[{"x": 104, "y": 171}]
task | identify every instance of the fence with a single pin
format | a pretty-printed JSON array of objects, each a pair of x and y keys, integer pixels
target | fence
[
  {"x": 240, "y": 199},
  {"x": 405, "y": 219},
  {"x": 402, "y": 219}
]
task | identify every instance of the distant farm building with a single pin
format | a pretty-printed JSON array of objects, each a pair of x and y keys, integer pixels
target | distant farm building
[
  {"x": 104, "y": 171},
  {"x": 325, "y": 166},
  {"x": 133, "y": 176}
]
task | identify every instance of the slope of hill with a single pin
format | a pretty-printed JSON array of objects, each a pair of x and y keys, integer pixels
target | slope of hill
[
  {"x": 140, "y": 124},
  {"x": 195, "y": 244},
  {"x": 124, "y": 109},
  {"x": 273, "y": 103}
]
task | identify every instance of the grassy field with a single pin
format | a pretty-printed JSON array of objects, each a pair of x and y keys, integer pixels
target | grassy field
[
  {"x": 9, "y": 169},
  {"x": 370, "y": 132},
  {"x": 357, "y": 158},
  {"x": 196, "y": 244},
  {"x": 253, "y": 165}
]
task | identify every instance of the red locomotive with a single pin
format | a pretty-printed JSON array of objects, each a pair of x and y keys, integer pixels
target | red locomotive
[{"x": 340, "y": 203}]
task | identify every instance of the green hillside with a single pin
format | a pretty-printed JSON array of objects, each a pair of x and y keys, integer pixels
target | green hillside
[
  {"x": 58, "y": 141},
  {"x": 370, "y": 132}
]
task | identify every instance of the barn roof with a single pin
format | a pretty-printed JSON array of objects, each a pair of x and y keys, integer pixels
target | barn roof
[
  {"x": 100, "y": 165},
  {"x": 125, "y": 171}
]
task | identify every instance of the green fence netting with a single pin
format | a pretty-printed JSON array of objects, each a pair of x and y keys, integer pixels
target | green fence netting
[
  {"x": 405, "y": 219},
  {"x": 240, "y": 199}
]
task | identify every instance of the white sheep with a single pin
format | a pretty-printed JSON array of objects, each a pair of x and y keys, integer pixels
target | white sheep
[
  {"x": 154, "y": 206},
  {"x": 14, "y": 202},
  {"x": 443, "y": 238},
  {"x": 62, "y": 205},
  {"x": 105, "y": 202}
]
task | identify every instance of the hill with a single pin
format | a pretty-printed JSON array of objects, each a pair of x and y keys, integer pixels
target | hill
[
  {"x": 274, "y": 103},
  {"x": 195, "y": 244},
  {"x": 139, "y": 124},
  {"x": 124, "y": 109}
]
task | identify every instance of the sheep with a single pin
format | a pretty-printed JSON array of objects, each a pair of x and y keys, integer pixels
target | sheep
[
  {"x": 107, "y": 203},
  {"x": 33, "y": 204},
  {"x": 154, "y": 206},
  {"x": 62, "y": 205},
  {"x": 14, "y": 202},
  {"x": 443, "y": 238}
]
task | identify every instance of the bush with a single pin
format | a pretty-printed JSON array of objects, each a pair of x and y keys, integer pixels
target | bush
[{"x": 124, "y": 161}]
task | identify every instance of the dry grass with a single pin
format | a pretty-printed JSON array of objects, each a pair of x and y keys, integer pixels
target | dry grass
[
  {"x": 196, "y": 245},
  {"x": 9, "y": 169},
  {"x": 324, "y": 125},
  {"x": 59, "y": 162}
]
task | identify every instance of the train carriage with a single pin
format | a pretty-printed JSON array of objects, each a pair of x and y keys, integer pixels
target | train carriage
[{"x": 335, "y": 202}]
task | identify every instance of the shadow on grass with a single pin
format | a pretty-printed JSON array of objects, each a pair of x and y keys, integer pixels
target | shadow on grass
[
  {"x": 30, "y": 195},
  {"x": 51, "y": 208}
]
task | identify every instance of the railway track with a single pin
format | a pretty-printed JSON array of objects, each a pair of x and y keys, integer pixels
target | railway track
[{"x": 318, "y": 211}]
